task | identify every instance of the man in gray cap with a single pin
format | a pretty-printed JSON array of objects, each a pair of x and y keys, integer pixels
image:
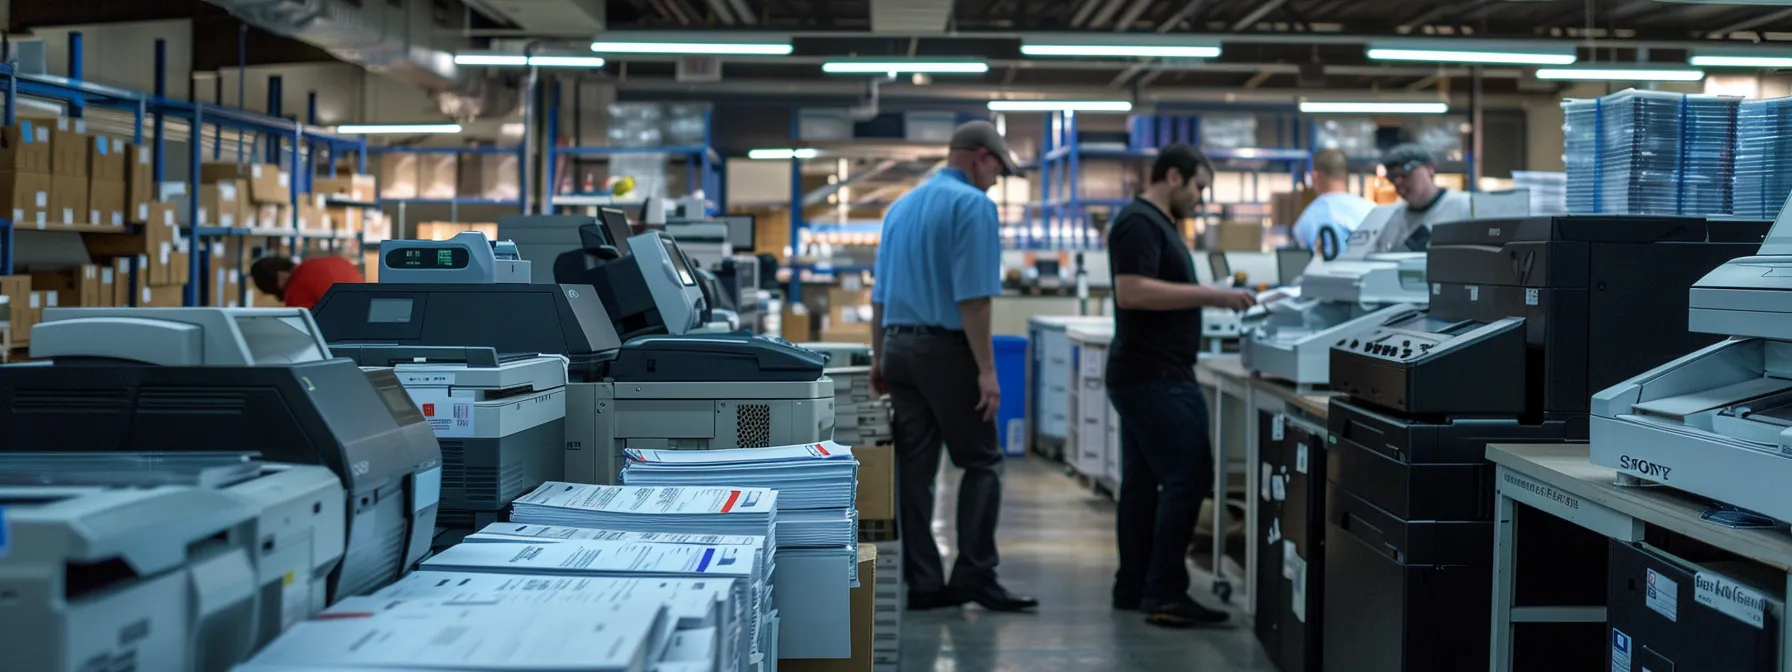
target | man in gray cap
[
  {"x": 938, "y": 264},
  {"x": 1414, "y": 175}
]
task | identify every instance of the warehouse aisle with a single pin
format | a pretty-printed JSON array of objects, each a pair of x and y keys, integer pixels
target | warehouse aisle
[{"x": 1057, "y": 543}]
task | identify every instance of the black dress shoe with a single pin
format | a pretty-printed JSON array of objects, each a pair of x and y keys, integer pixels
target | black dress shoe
[
  {"x": 995, "y": 598},
  {"x": 930, "y": 601},
  {"x": 1184, "y": 614}
]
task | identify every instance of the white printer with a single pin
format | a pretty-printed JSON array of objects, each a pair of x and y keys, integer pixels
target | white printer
[
  {"x": 185, "y": 380},
  {"x": 1291, "y": 338},
  {"x": 154, "y": 578},
  {"x": 1716, "y": 422},
  {"x": 296, "y": 525}
]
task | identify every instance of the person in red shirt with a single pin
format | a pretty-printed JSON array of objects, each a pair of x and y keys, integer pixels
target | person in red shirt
[{"x": 301, "y": 284}]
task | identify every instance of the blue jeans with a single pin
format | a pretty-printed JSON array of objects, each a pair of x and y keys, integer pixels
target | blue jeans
[{"x": 1166, "y": 463}]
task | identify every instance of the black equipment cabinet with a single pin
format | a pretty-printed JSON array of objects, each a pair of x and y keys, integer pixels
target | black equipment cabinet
[{"x": 1290, "y": 535}]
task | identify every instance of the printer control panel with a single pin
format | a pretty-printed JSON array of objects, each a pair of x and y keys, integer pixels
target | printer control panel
[{"x": 1416, "y": 364}]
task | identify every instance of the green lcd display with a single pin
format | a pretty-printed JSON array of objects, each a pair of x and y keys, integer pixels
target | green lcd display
[{"x": 437, "y": 258}]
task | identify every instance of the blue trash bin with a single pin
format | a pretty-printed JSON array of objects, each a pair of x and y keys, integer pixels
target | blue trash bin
[{"x": 1011, "y": 374}]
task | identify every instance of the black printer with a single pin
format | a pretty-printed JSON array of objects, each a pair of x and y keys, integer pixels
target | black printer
[{"x": 1527, "y": 318}]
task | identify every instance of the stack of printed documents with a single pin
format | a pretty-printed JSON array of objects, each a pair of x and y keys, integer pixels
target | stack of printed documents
[
  {"x": 808, "y": 476},
  {"x": 624, "y": 637},
  {"x": 627, "y": 508}
]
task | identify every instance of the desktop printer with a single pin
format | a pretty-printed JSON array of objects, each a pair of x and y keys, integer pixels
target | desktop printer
[
  {"x": 1526, "y": 316},
  {"x": 295, "y": 514},
  {"x": 155, "y": 578},
  {"x": 1715, "y": 422},
  {"x": 1291, "y": 338},
  {"x": 214, "y": 379}
]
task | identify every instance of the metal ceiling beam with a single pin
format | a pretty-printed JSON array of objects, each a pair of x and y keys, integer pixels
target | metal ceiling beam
[
  {"x": 722, "y": 12},
  {"x": 1257, "y": 14},
  {"x": 1444, "y": 12},
  {"x": 1131, "y": 15},
  {"x": 1107, "y": 12},
  {"x": 821, "y": 195},
  {"x": 1187, "y": 12},
  {"x": 743, "y": 12},
  {"x": 1750, "y": 24},
  {"x": 1082, "y": 13}
]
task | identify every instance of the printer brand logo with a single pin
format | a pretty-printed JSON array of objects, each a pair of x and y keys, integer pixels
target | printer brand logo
[
  {"x": 572, "y": 293},
  {"x": 1493, "y": 232},
  {"x": 1652, "y": 470}
]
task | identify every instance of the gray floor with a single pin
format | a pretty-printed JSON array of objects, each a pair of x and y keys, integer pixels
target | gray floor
[{"x": 1057, "y": 543}]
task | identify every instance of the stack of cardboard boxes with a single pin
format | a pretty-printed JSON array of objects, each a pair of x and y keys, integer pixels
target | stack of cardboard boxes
[
  {"x": 354, "y": 187},
  {"x": 252, "y": 195},
  {"x": 25, "y": 177},
  {"x": 877, "y": 525},
  {"x": 160, "y": 252}
]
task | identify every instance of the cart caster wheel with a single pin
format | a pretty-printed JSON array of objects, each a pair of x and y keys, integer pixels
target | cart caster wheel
[{"x": 1223, "y": 590}]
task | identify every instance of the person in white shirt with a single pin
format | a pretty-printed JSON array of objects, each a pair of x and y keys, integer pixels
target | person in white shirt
[
  {"x": 1327, "y": 222},
  {"x": 1423, "y": 204}
]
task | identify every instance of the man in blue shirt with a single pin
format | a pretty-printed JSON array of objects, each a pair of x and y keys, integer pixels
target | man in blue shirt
[
  {"x": 1327, "y": 222},
  {"x": 938, "y": 264}
]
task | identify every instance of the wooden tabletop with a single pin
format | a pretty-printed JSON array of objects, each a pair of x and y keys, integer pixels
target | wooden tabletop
[
  {"x": 1565, "y": 466},
  {"x": 1232, "y": 366}
]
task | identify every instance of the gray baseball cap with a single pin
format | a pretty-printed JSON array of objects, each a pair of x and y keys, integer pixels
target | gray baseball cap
[
  {"x": 1407, "y": 157},
  {"x": 981, "y": 134}
]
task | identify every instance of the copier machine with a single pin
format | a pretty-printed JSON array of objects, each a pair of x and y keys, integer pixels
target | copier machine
[
  {"x": 500, "y": 421},
  {"x": 654, "y": 391},
  {"x": 1526, "y": 317},
  {"x": 1716, "y": 422},
  {"x": 183, "y": 380},
  {"x": 295, "y": 532},
  {"x": 1291, "y": 338}
]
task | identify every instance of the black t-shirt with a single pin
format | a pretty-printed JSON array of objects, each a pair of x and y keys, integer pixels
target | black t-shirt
[{"x": 1151, "y": 344}]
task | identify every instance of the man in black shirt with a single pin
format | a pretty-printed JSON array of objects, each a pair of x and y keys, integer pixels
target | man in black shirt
[{"x": 1166, "y": 459}]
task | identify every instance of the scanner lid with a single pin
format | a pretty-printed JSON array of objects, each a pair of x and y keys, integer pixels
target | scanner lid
[{"x": 181, "y": 336}]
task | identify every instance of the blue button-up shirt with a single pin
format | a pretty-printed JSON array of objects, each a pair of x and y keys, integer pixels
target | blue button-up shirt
[{"x": 942, "y": 244}]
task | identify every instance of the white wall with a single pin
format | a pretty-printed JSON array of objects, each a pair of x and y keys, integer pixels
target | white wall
[{"x": 124, "y": 55}]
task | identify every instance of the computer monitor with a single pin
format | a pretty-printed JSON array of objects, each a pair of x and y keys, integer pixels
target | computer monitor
[
  {"x": 615, "y": 224},
  {"x": 1289, "y": 265},
  {"x": 741, "y": 229},
  {"x": 1046, "y": 267},
  {"x": 670, "y": 281},
  {"x": 1222, "y": 269}
]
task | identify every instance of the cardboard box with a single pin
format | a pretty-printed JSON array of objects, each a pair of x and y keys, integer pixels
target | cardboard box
[
  {"x": 106, "y": 203},
  {"x": 220, "y": 204},
  {"x": 121, "y": 281},
  {"x": 17, "y": 290},
  {"x": 109, "y": 286},
  {"x": 139, "y": 182},
  {"x": 68, "y": 148},
  {"x": 354, "y": 187},
  {"x": 1238, "y": 237},
  {"x": 861, "y": 608},
  {"x": 79, "y": 286},
  {"x": 25, "y": 197},
  {"x": 161, "y": 297},
  {"x": 267, "y": 183},
  {"x": 797, "y": 324},
  {"x": 68, "y": 200},
  {"x": 105, "y": 158},
  {"x": 169, "y": 264},
  {"x": 877, "y": 482},
  {"x": 25, "y": 148}
]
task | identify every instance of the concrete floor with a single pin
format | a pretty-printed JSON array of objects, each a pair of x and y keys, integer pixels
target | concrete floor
[{"x": 1057, "y": 544}]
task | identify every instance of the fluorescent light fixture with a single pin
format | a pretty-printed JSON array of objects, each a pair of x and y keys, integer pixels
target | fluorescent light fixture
[
  {"x": 781, "y": 154},
  {"x": 519, "y": 60},
  {"x": 1772, "y": 59},
  {"x": 739, "y": 44},
  {"x": 1621, "y": 74},
  {"x": 1471, "y": 51},
  {"x": 895, "y": 66},
  {"x": 1346, "y": 107},
  {"x": 1119, "y": 46},
  {"x": 1060, "y": 106},
  {"x": 377, "y": 129}
]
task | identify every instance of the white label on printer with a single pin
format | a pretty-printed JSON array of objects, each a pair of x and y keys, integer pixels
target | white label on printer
[
  {"x": 1275, "y": 426},
  {"x": 295, "y": 598},
  {"x": 448, "y": 417},
  {"x": 1530, "y": 297},
  {"x": 1437, "y": 288},
  {"x": 410, "y": 378},
  {"x": 1733, "y": 599},
  {"x": 1663, "y": 595},
  {"x": 1300, "y": 458},
  {"x": 1474, "y": 292},
  {"x": 1263, "y": 481},
  {"x": 1297, "y": 598},
  {"x": 1620, "y": 651}
]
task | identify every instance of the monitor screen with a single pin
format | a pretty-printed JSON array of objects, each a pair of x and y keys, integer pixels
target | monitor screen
[
  {"x": 616, "y": 225},
  {"x": 684, "y": 270},
  {"x": 1222, "y": 269},
  {"x": 1290, "y": 264},
  {"x": 1046, "y": 267},
  {"x": 417, "y": 258},
  {"x": 740, "y": 232},
  {"x": 388, "y": 311}
]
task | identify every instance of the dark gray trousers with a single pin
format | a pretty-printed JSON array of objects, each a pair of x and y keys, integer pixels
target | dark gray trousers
[{"x": 932, "y": 379}]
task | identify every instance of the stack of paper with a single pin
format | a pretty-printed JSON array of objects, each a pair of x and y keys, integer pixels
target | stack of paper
[
  {"x": 808, "y": 476},
  {"x": 484, "y": 637},
  {"x": 623, "y": 559},
  {"x": 861, "y": 415},
  {"x": 699, "y": 510}
]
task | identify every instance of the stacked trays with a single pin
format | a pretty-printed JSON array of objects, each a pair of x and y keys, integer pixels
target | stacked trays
[
  {"x": 1763, "y": 150},
  {"x": 889, "y": 600},
  {"x": 861, "y": 416},
  {"x": 1650, "y": 153}
]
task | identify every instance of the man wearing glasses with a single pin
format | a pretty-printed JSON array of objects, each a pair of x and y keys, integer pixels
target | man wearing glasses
[{"x": 1414, "y": 175}]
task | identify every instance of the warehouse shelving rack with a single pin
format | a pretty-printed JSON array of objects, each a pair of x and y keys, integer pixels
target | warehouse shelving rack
[{"x": 704, "y": 166}]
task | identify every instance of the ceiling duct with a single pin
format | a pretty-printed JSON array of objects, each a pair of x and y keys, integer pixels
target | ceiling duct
[
  {"x": 405, "y": 42},
  {"x": 910, "y": 17},
  {"x": 559, "y": 17}
]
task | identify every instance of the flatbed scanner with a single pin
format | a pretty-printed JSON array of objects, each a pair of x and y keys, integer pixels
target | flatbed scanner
[
  {"x": 214, "y": 379},
  {"x": 1715, "y": 422},
  {"x": 1291, "y": 338},
  {"x": 154, "y": 578},
  {"x": 296, "y": 527}
]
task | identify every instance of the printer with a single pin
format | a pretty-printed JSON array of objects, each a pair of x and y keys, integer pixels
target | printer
[
  {"x": 1291, "y": 338},
  {"x": 214, "y": 379},
  {"x": 1715, "y": 422},
  {"x": 296, "y": 524},
  {"x": 1534, "y": 312},
  {"x": 150, "y": 578},
  {"x": 500, "y": 420}
]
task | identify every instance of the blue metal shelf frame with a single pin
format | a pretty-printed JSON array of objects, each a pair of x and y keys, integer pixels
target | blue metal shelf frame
[
  {"x": 307, "y": 140},
  {"x": 704, "y": 166}
]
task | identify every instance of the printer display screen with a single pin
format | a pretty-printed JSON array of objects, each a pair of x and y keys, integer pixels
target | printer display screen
[
  {"x": 388, "y": 311},
  {"x": 444, "y": 258},
  {"x": 684, "y": 271}
]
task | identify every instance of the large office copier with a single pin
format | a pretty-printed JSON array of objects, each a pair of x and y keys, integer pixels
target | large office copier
[
  {"x": 1527, "y": 317},
  {"x": 292, "y": 538},
  {"x": 1291, "y": 338},
  {"x": 500, "y": 420},
  {"x": 182, "y": 380},
  {"x": 657, "y": 390}
]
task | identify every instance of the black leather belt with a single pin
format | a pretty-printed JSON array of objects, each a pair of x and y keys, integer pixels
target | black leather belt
[{"x": 922, "y": 330}]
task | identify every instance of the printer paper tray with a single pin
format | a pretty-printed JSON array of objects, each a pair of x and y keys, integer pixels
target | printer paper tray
[{"x": 1718, "y": 397}]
